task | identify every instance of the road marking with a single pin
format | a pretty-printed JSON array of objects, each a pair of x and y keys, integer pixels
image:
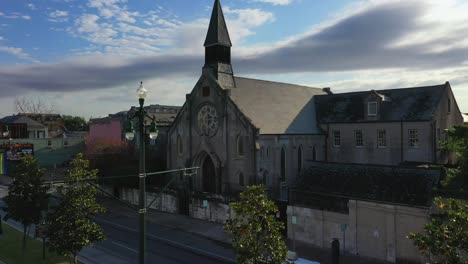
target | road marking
[
  {"x": 169, "y": 241},
  {"x": 120, "y": 245}
]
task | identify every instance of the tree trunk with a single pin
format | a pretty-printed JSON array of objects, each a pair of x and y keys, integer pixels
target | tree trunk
[
  {"x": 25, "y": 227},
  {"x": 75, "y": 259}
]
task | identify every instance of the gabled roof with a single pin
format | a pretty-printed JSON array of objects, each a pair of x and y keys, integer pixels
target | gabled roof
[
  {"x": 217, "y": 32},
  {"x": 405, "y": 104},
  {"x": 277, "y": 108},
  {"x": 21, "y": 119}
]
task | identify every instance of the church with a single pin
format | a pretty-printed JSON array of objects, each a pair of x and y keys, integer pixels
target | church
[{"x": 241, "y": 131}]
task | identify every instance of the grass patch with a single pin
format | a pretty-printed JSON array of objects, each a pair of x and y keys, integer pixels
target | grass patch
[{"x": 11, "y": 249}]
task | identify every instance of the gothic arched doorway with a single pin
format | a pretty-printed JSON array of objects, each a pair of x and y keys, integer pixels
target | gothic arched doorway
[{"x": 209, "y": 175}]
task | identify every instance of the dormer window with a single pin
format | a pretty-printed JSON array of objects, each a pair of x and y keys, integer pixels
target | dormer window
[{"x": 372, "y": 108}]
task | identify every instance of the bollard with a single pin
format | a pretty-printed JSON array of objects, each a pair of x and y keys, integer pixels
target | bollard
[{"x": 335, "y": 251}]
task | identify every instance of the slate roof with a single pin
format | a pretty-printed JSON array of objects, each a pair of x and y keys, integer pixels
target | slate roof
[
  {"x": 217, "y": 31},
  {"x": 392, "y": 184},
  {"x": 277, "y": 108},
  {"x": 407, "y": 104},
  {"x": 21, "y": 119}
]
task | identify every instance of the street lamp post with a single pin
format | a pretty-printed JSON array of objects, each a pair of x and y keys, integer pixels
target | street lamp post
[{"x": 140, "y": 115}]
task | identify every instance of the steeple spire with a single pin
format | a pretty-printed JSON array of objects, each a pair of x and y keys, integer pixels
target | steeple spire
[
  {"x": 217, "y": 32},
  {"x": 218, "y": 49}
]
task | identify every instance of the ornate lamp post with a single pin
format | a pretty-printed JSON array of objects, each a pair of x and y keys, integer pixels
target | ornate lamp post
[{"x": 140, "y": 115}]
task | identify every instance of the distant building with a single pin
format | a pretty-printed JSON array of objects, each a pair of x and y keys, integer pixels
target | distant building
[
  {"x": 21, "y": 126},
  {"x": 111, "y": 130},
  {"x": 465, "y": 118},
  {"x": 107, "y": 131},
  {"x": 53, "y": 122}
]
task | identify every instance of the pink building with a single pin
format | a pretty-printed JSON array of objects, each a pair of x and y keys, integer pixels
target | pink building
[{"x": 105, "y": 133}]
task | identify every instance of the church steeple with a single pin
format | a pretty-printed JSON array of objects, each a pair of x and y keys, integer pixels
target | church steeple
[
  {"x": 217, "y": 32},
  {"x": 218, "y": 48}
]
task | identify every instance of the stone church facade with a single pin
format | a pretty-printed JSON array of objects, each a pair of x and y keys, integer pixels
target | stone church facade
[{"x": 243, "y": 131}]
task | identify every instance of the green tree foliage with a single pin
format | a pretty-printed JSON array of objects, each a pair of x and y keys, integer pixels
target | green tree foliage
[
  {"x": 70, "y": 225},
  {"x": 457, "y": 142},
  {"x": 75, "y": 123},
  {"x": 255, "y": 232},
  {"x": 27, "y": 195},
  {"x": 445, "y": 238}
]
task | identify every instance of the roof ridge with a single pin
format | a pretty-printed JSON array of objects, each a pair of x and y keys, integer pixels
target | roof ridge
[
  {"x": 292, "y": 84},
  {"x": 385, "y": 90}
]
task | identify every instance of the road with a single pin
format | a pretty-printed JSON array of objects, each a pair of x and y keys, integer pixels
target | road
[{"x": 164, "y": 244}]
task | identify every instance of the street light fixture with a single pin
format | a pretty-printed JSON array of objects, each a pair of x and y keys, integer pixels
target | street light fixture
[
  {"x": 6, "y": 132},
  {"x": 140, "y": 114}
]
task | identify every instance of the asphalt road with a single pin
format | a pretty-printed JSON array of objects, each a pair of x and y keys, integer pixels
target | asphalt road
[
  {"x": 124, "y": 244},
  {"x": 164, "y": 244}
]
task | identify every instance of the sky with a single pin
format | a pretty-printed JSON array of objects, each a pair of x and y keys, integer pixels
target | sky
[{"x": 87, "y": 57}]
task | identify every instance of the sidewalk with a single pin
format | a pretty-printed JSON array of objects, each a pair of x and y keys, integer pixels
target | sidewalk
[{"x": 323, "y": 256}]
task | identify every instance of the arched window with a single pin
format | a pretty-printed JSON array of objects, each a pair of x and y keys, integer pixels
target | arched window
[
  {"x": 268, "y": 152},
  {"x": 264, "y": 179},
  {"x": 299, "y": 159},
  {"x": 283, "y": 165},
  {"x": 206, "y": 91},
  {"x": 261, "y": 153},
  {"x": 180, "y": 147},
  {"x": 241, "y": 179},
  {"x": 240, "y": 146},
  {"x": 314, "y": 154}
]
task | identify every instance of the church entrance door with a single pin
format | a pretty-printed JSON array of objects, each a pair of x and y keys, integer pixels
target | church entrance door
[{"x": 209, "y": 175}]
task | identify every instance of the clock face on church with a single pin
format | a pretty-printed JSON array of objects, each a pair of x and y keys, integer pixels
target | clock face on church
[{"x": 208, "y": 120}]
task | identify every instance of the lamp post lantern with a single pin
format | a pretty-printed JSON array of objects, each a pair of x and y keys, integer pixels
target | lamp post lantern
[{"x": 140, "y": 115}]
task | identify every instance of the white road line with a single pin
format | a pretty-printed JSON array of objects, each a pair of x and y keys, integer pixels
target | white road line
[
  {"x": 120, "y": 245},
  {"x": 169, "y": 241}
]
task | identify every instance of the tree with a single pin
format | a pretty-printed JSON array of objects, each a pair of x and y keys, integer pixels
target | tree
[
  {"x": 457, "y": 142},
  {"x": 70, "y": 225},
  {"x": 75, "y": 123},
  {"x": 26, "y": 105},
  {"x": 445, "y": 238},
  {"x": 255, "y": 232},
  {"x": 27, "y": 195}
]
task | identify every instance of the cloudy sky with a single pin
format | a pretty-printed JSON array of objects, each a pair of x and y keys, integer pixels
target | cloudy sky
[{"x": 86, "y": 57}]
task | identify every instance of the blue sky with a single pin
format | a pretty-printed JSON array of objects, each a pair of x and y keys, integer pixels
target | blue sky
[{"x": 86, "y": 56}]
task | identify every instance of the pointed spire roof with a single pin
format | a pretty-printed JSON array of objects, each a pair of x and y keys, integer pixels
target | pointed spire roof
[{"x": 217, "y": 32}]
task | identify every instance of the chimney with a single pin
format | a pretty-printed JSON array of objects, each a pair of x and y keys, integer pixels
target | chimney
[{"x": 327, "y": 90}]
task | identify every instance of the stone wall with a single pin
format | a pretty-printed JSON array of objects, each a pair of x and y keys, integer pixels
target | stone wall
[
  {"x": 374, "y": 230},
  {"x": 211, "y": 208}
]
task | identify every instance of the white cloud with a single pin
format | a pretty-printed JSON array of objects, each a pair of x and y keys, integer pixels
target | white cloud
[
  {"x": 18, "y": 52},
  {"x": 276, "y": 2},
  {"x": 15, "y": 15},
  {"x": 58, "y": 13},
  {"x": 1, "y": 38},
  {"x": 31, "y": 6},
  {"x": 111, "y": 9},
  {"x": 58, "y": 16},
  {"x": 241, "y": 22}
]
